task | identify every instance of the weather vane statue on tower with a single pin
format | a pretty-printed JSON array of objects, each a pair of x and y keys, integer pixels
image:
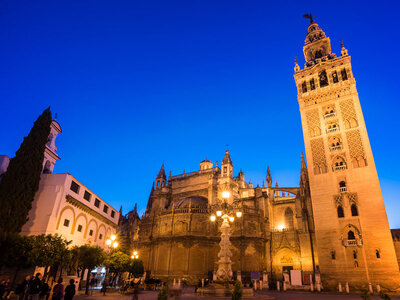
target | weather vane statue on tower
[{"x": 310, "y": 17}]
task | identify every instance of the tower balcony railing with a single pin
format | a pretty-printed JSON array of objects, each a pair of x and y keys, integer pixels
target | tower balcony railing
[
  {"x": 329, "y": 115},
  {"x": 335, "y": 148},
  {"x": 352, "y": 243},
  {"x": 343, "y": 189},
  {"x": 333, "y": 129},
  {"x": 340, "y": 168}
]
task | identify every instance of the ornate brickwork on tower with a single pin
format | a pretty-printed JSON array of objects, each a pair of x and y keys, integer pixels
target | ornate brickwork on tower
[{"x": 351, "y": 227}]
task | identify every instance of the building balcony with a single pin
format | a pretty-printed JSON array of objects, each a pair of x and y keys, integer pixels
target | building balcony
[
  {"x": 326, "y": 116},
  {"x": 333, "y": 129},
  {"x": 352, "y": 243},
  {"x": 340, "y": 168},
  {"x": 343, "y": 189},
  {"x": 335, "y": 148}
]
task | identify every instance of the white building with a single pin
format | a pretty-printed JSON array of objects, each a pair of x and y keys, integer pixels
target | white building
[{"x": 65, "y": 206}]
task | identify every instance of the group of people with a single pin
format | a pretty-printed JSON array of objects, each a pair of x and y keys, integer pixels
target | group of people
[{"x": 36, "y": 288}]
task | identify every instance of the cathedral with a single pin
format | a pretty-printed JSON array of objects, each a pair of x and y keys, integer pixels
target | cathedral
[{"x": 333, "y": 226}]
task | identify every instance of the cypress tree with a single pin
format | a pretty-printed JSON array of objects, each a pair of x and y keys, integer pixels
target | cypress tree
[{"x": 20, "y": 183}]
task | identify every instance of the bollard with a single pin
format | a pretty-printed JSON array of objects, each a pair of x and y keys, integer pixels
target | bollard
[
  {"x": 278, "y": 286},
  {"x": 340, "y": 288},
  {"x": 371, "y": 291},
  {"x": 347, "y": 288},
  {"x": 378, "y": 288}
]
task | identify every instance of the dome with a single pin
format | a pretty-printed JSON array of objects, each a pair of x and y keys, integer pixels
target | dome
[{"x": 194, "y": 201}]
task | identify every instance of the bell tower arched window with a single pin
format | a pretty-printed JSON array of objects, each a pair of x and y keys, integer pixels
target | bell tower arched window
[
  {"x": 354, "y": 210},
  {"x": 323, "y": 79},
  {"x": 350, "y": 235},
  {"x": 340, "y": 212}
]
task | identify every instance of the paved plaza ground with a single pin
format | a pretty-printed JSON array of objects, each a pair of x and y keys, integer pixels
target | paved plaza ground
[{"x": 188, "y": 293}]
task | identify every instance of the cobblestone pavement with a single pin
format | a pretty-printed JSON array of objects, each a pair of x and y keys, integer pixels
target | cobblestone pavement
[{"x": 188, "y": 294}]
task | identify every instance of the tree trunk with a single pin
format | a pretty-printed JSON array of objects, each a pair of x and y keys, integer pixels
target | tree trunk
[
  {"x": 15, "y": 276},
  {"x": 87, "y": 282},
  {"x": 61, "y": 270}
]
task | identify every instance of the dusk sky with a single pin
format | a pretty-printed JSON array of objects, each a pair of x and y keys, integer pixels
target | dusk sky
[{"x": 136, "y": 83}]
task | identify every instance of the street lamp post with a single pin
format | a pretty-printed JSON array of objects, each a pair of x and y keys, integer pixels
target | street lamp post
[{"x": 227, "y": 214}]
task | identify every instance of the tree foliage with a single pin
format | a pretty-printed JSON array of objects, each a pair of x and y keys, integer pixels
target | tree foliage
[
  {"x": 118, "y": 262},
  {"x": 88, "y": 258},
  {"x": 20, "y": 183},
  {"x": 50, "y": 250},
  {"x": 15, "y": 250},
  {"x": 136, "y": 267},
  {"x": 237, "y": 293}
]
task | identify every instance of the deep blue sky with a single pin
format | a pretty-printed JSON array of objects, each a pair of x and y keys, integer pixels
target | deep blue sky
[{"x": 136, "y": 83}]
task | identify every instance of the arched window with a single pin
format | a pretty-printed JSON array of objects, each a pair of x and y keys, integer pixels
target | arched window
[
  {"x": 289, "y": 218},
  {"x": 333, "y": 254},
  {"x": 323, "y": 79},
  {"x": 355, "y": 254},
  {"x": 344, "y": 74},
  {"x": 354, "y": 210},
  {"x": 378, "y": 253},
  {"x": 304, "y": 87},
  {"x": 339, "y": 163},
  {"x": 312, "y": 84},
  {"x": 342, "y": 184},
  {"x": 335, "y": 77},
  {"x": 46, "y": 169},
  {"x": 350, "y": 235},
  {"x": 340, "y": 212}
]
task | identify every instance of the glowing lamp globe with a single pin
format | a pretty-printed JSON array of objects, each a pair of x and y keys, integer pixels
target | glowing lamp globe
[
  {"x": 226, "y": 194},
  {"x": 212, "y": 218},
  {"x": 239, "y": 214},
  {"x": 219, "y": 213}
]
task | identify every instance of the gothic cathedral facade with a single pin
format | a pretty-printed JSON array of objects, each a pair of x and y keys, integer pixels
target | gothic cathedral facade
[
  {"x": 352, "y": 232},
  {"x": 333, "y": 224}
]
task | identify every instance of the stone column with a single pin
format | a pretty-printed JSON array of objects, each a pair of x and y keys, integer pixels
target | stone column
[
  {"x": 265, "y": 284},
  {"x": 239, "y": 276},
  {"x": 224, "y": 272}
]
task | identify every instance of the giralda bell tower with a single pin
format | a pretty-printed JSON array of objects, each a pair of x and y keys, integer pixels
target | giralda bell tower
[{"x": 353, "y": 238}]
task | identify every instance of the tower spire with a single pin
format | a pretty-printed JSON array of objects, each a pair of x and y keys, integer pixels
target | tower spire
[{"x": 269, "y": 178}]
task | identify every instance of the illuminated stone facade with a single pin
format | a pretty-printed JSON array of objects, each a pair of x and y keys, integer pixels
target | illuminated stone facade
[
  {"x": 333, "y": 225},
  {"x": 353, "y": 238},
  {"x": 176, "y": 238}
]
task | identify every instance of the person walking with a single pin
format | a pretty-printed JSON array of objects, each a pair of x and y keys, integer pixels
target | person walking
[
  {"x": 104, "y": 286},
  {"x": 35, "y": 287},
  {"x": 45, "y": 291},
  {"x": 70, "y": 290},
  {"x": 58, "y": 290},
  {"x": 22, "y": 289}
]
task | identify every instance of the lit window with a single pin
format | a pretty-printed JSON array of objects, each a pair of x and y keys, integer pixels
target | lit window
[{"x": 66, "y": 223}]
